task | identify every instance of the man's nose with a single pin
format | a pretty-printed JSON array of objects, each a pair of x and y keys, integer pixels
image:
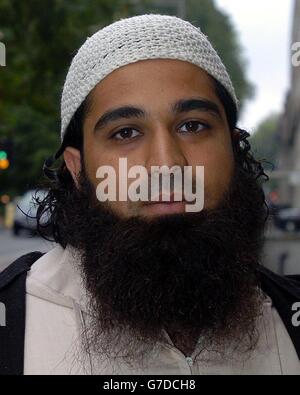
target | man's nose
[{"x": 165, "y": 149}]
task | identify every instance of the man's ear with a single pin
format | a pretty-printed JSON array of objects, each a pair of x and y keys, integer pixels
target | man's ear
[{"x": 72, "y": 159}]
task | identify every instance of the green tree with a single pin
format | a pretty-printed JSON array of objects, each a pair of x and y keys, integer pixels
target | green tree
[
  {"x": 41, "y": 38},
  {"x": 265, "y": 140}
]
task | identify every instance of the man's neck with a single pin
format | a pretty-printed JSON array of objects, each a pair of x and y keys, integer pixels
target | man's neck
[{"x": 185, "y": 341}]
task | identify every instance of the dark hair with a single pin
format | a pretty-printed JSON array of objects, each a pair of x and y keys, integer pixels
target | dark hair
[
  {"x": 61, "y": 185},
  {"x": 74, "y": 132}
]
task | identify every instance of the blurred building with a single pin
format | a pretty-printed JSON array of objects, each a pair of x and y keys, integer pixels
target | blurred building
[{"x": 289, "y": 161}]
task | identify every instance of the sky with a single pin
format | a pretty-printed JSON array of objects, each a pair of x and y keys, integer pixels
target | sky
[{"x": 264, "y": 28}]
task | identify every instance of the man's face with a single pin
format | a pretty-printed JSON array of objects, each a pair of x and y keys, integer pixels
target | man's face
[{"x": 197, "y": 136}]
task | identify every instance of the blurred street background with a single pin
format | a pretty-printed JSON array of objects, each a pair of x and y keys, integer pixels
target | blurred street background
[
  {"x": 12, "y": 248},
  {"x": 254, "y": 40}
]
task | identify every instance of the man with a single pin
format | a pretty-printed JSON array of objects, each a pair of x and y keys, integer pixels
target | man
[{"x": 143, "y": 286}]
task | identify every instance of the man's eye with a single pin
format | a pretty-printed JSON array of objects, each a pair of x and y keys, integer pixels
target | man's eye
[
  {"x": 125, "y": 134},
  {"x": 193, "y": 127}
]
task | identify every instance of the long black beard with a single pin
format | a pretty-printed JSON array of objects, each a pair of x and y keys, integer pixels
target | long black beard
[{"x": 193, "y": 273}]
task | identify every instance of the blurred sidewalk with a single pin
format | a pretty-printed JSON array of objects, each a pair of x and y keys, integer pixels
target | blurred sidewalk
[
  {"x": 282, "y": 251},
  {"x": 12, "y": 247}
]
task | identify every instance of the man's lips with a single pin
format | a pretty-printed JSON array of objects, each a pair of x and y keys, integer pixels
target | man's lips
[{"x": 162, "y": 206}]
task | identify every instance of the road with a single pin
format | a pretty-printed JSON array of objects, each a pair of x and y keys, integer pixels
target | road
[
  {"x": 281, "y": 252},
  {"x": 12, "y": 247}
]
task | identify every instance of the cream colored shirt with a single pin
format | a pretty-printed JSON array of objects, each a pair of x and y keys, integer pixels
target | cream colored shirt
[{"x": 56, "y": 310}]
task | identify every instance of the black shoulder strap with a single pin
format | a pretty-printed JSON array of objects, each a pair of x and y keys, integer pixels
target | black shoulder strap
[
  {"x": 12, "y": 310},
  {"x": 284, "y": 292}
]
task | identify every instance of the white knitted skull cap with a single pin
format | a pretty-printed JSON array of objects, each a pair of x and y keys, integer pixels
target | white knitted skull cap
[{"x": 129, "y": 40}]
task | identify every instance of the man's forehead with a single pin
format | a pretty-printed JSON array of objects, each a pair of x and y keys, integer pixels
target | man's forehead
[
  {"x": 162, "y": 81},
  {"x": 162, "y": 69}
]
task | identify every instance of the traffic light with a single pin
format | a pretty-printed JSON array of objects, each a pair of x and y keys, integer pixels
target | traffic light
[{"x": 5, "y": 153}]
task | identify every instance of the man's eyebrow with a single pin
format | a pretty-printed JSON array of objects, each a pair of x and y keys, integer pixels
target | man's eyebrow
[
  {"x": 186, "y": 105},
  {"x": 119, "y": 113},
  {"x": 181, "y": 106}
]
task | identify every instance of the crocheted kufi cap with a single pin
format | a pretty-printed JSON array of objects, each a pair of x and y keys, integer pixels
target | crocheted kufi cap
[{"x": 132, "y": 39}]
